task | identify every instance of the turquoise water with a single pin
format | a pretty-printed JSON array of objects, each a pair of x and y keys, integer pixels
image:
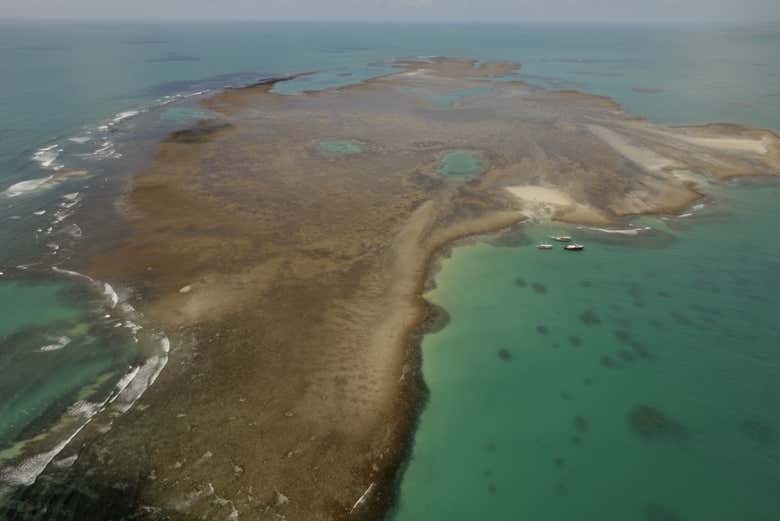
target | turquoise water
[
  {"x": 53, "y": 341},
  {"x": 79, "y": 95},
  {"x": 637, "y": 380},
  {"x": 341, "y": 147},
  {"x": 460, "y": 163}
]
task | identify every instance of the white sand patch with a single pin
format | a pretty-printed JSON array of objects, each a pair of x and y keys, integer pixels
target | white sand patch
[
  {"x": 541, "y": 203},
  {"x": 735, "y": 144},
  {"x": 540, "y": 194},
  {"x": 643, "y": 157}
]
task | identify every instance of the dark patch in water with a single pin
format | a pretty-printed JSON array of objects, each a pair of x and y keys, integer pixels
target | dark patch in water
[
  {"x": 492, "y": 488},
  {"x": 656, "y": 512},
  {"x": 652, "y": 423},
  {"x": 565, "y": 395},
  {"x": 200, "y": 133},
  {"x": 641, "y": 350},
  {"x": 587, "y": 381},
  {"x": 575, "y": 340},
  {"x": 623, "y": 335},
  {"x": 707, "y": 310},
  {"x": 539, "y": 288},
  {"x": 512, "y": 238},
  {"x": 581, "y": 424},
  {"x": 576, "y": 441},
  {"x": 590, "y": 317},
  {"x": 656, "y": 323},
  {"x": 635, "y": 291},
  {"x": 586, "y": 284},
  {"x": 561, "y": 489},
  {"x": 560, "y": 462},
  {"x": 608, "y": 362},
  {"x": 625, "y": 355},
  {"x": 504, "y": 354},
  {"x": 490, "y": 447},
  {"x": 680, "y": 318},
  {"x": 520, "y": 282},
  {"x": 487, "y": 473},
  {"x": 664, "y": 294},
  {"x": 437, "y": 318},
  {"x": 542, "y": 330},
  {"x": 758, "y": 430},
  {"x": 556, "y": 345}
]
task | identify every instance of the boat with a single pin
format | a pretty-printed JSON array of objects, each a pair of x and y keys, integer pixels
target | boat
[
  {"x": 561, "y": 238},
  {"x": 574, "y": 247},
  {"x": 544, "y": 246}
]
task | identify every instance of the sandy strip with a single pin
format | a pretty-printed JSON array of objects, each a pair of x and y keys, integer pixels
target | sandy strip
[{"x": 643, "y": 157}]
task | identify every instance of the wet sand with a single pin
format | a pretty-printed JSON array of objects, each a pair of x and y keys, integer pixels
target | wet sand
[{"x": 290, "y": 280}]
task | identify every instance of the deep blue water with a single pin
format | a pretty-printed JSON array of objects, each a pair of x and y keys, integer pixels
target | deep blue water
[{"x": 75, "y": 96}]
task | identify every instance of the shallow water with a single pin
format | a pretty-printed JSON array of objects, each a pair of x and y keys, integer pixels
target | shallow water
[
  {"x": 628, "y": 381},
  {"x": 460, "y": 163},
  {"x": 57, "y": 346},
  {"x": 340, "y": 147}
]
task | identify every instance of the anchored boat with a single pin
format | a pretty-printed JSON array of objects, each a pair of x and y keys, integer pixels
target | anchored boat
[
  {"x": 574, "y": 247},
  {"x": 545, "y": 247},
  {"x": 561, "y": 238}
]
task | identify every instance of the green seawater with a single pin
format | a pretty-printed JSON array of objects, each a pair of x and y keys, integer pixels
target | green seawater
[
  {"x": 460, "y": 163},
  {"x": 637, "y": 380},
  {"x": 340, "y": 147},
  {"x": 55, "y": 348}
]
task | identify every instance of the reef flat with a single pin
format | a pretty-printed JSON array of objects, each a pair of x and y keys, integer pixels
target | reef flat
[{"x": 287, "y": 242}]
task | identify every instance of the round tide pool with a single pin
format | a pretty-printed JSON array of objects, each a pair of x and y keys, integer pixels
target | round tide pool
[
  {"x": 340, "y": 147},
  {"x": 461, "y": 163}
]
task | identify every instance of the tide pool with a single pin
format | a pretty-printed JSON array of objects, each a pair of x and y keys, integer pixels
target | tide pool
[
  {"x": 340, "y": 147},
  {"x": 460, "y": 163},
  {"x": 637, "y": 380}
]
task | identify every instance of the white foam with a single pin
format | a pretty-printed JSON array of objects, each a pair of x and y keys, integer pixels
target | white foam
[
  {"x": 29, "y": 186},
  {"x": 39, "y": 212},
  {"x": 71, "y": 196},
  {"x": 71, "y": 273},
  {"x": 124, "y": 115},
  {"x": 61, "y": 215},
  {"x": 65, "y": 463},
  {"x": 80, "y": 139},
  {"x": 109, "y": 292},
  {"x": 59, "y": 343},
  {"x": 72, "y": 230},
  {"x": 144, "y": 378},
  {"x": 626, "y": 231},
  {"x": 45, "y": 156},
  {"x": 684, "y": 215},
  {"x": 698, "y": 206},
  {"x": 85, "y": 409},
  {"x": 132, "y": 326},
  {"x": 26, "y": 472}
]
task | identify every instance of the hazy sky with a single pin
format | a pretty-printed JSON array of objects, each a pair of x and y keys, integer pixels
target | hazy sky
[{"x": 528, "y": 10}]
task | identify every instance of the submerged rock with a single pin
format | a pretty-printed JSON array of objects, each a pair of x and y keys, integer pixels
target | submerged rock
[{"x": 652, "y": 423}]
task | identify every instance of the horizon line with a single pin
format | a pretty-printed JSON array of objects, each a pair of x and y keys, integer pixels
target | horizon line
[{"x": 378, "y": 21}]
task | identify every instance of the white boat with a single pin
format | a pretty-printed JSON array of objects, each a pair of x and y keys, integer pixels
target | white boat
[
  {"x": 561, "y": 238},
  {"x": 544, "y": 246},
  {"x": 574, "y": 247}
]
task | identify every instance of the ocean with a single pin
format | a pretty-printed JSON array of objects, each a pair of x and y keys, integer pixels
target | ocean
[{"x": 636, "y": 380}]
